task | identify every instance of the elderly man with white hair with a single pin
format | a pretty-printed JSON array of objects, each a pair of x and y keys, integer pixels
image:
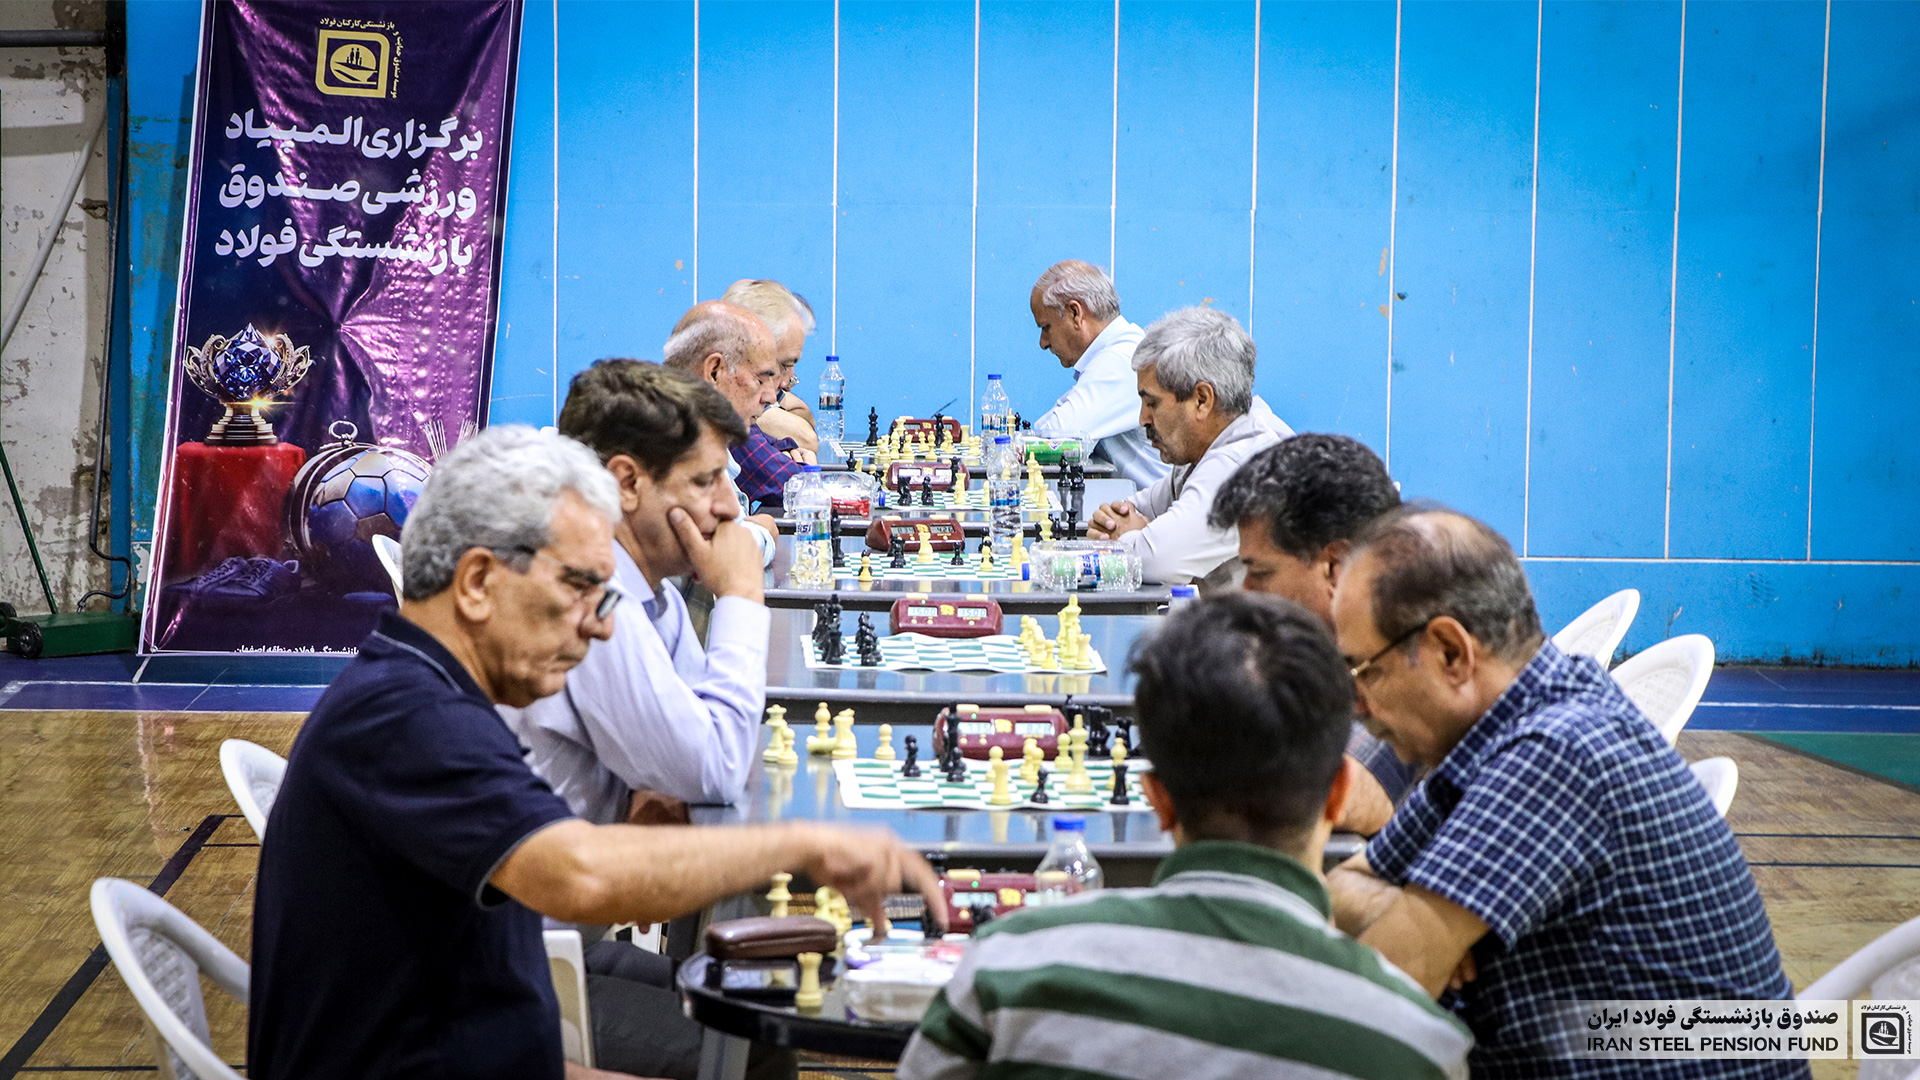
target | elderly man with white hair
[
  {"x": 411, "y": 851},
  {"x": 1078, "y": 313},
  {"x": 1194, "y": 374},
  {"x": 790, "y": 318},
  {"x": 732, "y": 348}
]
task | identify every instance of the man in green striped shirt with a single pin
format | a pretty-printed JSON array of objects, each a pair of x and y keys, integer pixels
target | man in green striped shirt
[{"x": 1228, "y": 966}]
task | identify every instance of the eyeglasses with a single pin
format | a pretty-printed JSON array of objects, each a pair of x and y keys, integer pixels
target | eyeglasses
[
  {"x": 583, "y": 582},
  {"x": 1359, "y": 671}
]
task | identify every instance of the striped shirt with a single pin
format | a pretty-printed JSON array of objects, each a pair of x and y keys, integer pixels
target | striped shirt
[{"x": 1226, "y": 967}]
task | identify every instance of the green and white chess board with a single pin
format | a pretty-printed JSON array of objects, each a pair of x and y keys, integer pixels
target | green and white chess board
[
  {"x": 974, "y": 500},
  {"x": 866, "y": 784},
  {"x": 918, "y": 652},
  {"x": 940, "y": 569}
]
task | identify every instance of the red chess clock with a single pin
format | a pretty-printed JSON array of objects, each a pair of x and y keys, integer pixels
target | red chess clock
[
  {"x": 980, "y": 730},
  {"x": 974, "y": 898},
  {"x": 938, "y": 475},
  {"x": 942, "y": 532},
  {"x": 945, "y": 616},
  {"x": 926, "y": 425}
]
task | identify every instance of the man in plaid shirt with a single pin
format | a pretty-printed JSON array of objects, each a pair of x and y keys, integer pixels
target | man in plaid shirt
[{"x": 1560, "y": 849}]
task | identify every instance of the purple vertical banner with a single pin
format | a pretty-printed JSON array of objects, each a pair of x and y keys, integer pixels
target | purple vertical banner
[{"x": 339, "y": 286}]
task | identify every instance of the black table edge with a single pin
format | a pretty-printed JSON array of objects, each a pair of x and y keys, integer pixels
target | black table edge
[{"x": 773, "y": 1025}]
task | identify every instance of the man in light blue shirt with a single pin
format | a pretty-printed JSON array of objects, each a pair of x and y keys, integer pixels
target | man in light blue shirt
[
  {"x": 1078, "y": 313},
  {"x": 650, "y": 709}
]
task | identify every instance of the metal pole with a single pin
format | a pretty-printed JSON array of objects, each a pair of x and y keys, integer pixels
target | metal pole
[{"x": 46, "y": 243}]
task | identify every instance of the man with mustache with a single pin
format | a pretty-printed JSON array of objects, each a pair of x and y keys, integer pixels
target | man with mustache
[{"x": 1194, "y": 373}]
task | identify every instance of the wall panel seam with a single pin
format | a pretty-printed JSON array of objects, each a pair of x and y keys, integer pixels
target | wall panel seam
[
  {"x": 553, "y": 265},
  {"x": 1673, "y": 291},
  {"x": 1819, "y": 223},
  {"x": 833, "y": 286},
  {"x": 1393, "y": 218},
  {"x": 973, "y": 243},
  {"x": 1533, "y": 261},
  {"x": 1253, "y": 202},
  {"x": 695, "y": 277}
]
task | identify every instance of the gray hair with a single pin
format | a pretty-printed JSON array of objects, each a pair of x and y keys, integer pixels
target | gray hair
[
  {"x": 1081, "y": 281},
  {"x": 498, "y": 489},
  {"x": 710, "y": 332},
  {"x": 1200, "y": 345},
  {"x": 1432, "y": 562},
  {"x": 773, "y": 302}
]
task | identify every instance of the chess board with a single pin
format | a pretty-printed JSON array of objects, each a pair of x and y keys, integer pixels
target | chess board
[
  {"x": 918, "y": 652},
  {"x": 866, "y": 784},
  {"x": 975, "y": 501},
  {"x": 867, "y": 453},
  {"x": 941, "y": 569}
]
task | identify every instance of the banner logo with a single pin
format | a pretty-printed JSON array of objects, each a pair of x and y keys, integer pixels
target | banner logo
[
  {"x": 1883, "y": 1029},
  {"x": 353, "y": 63}
]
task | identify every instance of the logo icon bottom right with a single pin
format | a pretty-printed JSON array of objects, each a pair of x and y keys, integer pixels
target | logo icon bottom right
[{"x": 1883, "y": 1029}]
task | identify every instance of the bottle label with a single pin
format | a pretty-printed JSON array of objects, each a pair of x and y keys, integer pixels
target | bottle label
[{"x": 830, "y": 401}]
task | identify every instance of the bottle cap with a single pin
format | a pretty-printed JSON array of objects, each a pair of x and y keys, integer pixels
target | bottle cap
[
  {"x": 811, "y": 468},
  {"x": 993, "y": 378},
  {"x": 832, "y": 359},
  {"x": 1069, "y": 824},
  {"x": 1187, "y": 591},
  {"x": 998, "y": 439}
]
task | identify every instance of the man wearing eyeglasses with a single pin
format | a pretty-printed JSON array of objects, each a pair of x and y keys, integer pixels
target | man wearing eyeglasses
[
  {"x": 1560, "y": 850},
  {"x": 732, "y": 350},
  {"x": 411, "y": 851}
]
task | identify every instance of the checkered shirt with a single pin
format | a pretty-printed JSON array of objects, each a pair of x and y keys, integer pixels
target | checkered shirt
[
  {"x": 1566, "y": 822},
  {"x": 764, "y": 466}
]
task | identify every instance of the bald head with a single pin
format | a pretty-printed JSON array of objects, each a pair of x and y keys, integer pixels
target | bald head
[
  {"x": 730, "y": 347},
  {"x": 1425, "y": 562}
]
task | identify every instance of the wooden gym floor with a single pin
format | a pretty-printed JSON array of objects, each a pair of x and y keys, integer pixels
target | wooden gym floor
[{"x": 87, "y": 794}]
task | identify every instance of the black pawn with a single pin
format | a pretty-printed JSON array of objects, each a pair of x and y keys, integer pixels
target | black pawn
[
  {"x": 1120, "y": 797},
  {"x": 1039, "y": 797},
  {"x": 959, "y": 550},
  {"x": 911, "y": 767}
]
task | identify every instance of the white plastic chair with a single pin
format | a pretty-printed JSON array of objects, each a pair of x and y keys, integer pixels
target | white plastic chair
[
  {"x": 567, "y": 962},
  {"x": 253, "y": 775},
  {"x": 161, "y": 955},
  {"x": 388, "y": 549},
  {"x": 1599, "y": 629},
  {"x": 1666, "y": 680},
  {"x": 1721, "y": 777},
  {"x": 1888, "y": 969}
]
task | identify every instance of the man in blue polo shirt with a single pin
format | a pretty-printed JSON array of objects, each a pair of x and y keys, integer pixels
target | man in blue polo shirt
[
  {"x": 410, "y": 848},
  {"x": 1560, "y": 850}
]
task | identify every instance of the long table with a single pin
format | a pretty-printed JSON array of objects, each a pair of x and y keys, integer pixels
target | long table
[{"x": 1014, "y": 597}]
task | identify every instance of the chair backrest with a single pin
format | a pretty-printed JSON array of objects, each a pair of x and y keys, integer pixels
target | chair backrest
[
  {"x": 1599, "y": 629},
  {"x": 388, "y": 549},
  {"x": 253, "y": 775},
  {"x": 1666, "y": 680},
  {"x": 1721, "y": 777},
  {"x": 567, "y": 962},
  {"x": 1889, "y": 967},
  {"x": 161, "y": 955}
]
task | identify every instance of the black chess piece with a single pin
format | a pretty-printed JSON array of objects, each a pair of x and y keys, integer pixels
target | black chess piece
[
  {"x": 897, "y": 551},
  {"x": 926, "y": 491},
  {"x": 834, "y": 610},
  {"x": 836, "y": 648},
  {"x": 873, "y": 427},
  {"x": 833, "y": 539},
  {"x": 911, "y": 767},
  {"x": 903, "y": 490},
  {"x": 959, "y": 550},
  {"x": 822, "y": 626},
  {"x": 1097, "y": 733},
  {"x": 1039, "y": 796},
  {"x": 867, "y": 642},
  {"x": 1120, "y": 797},
  {"x": 1125, "y": 726},
  {"x": 957, "y": 473}
]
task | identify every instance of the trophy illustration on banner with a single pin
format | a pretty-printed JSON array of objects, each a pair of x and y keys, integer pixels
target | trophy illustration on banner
[
  {"x": 228, "y": 489},
  {"x": 245, "y": 374}
]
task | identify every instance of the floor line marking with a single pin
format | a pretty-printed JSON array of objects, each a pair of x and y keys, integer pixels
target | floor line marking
[{"x": 76, "y": 985}]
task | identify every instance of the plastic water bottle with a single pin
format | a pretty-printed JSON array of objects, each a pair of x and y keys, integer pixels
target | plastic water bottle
[
  {"x": 995, "y": 410},
  {"x": 829, "y": 420},
  {"x": 812, "y": 544},
  {"x": 1179, "y": 596},
  {"x": 1003, "y": 494},
  {"x": 1069, "y": 867}
]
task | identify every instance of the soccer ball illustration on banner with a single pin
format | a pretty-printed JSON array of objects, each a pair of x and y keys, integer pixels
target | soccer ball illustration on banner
[{"x": 346, "y": 494}]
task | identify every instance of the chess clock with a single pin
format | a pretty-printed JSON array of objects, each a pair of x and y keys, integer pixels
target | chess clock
[
  {"x": 937, "y": 474},
  {"x": 980, "y": 730},
  {"x": 974, "y": 898},
  {"x": 945, "y": 616},
  {"x": 943, "y": 533},
  {"x": 918, "y": 426}
]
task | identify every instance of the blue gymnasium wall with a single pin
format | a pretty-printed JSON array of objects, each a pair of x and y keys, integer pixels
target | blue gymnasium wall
[{"x": 1556, "y": 282}]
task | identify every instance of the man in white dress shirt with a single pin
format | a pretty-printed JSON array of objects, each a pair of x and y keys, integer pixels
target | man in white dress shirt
[
  {"x": 1194, "y": 374},
  {"x": 1079, "y": 318},
  {"x": 649, "y": 709}
]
